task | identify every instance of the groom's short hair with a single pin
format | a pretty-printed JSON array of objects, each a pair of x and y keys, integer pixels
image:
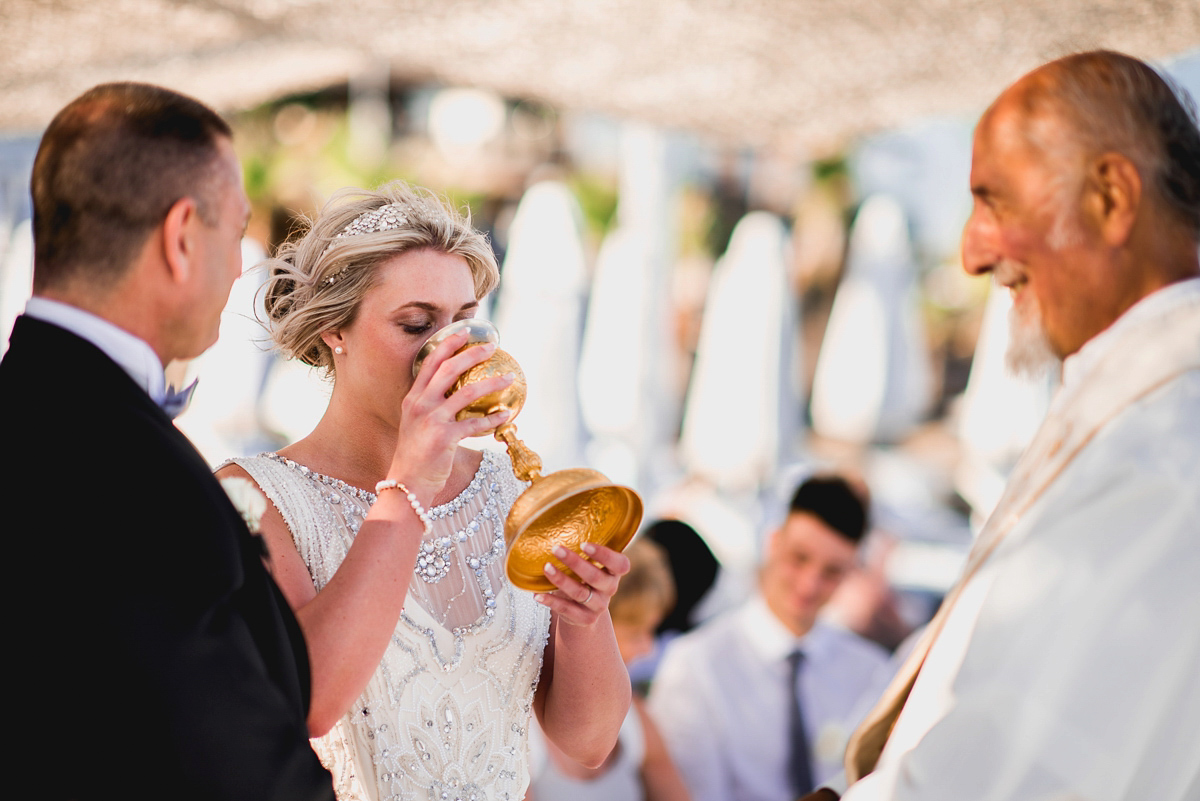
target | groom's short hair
[{"x": 110, "y": 166}]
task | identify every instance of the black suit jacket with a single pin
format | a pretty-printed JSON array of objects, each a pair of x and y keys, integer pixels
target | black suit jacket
[{"x": 155, "y": 657}]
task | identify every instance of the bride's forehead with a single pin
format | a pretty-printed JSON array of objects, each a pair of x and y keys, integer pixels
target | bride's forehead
[{"x": 425, "y": 271}]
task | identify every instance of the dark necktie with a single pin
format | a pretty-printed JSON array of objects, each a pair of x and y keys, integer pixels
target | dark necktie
[{"x": 799, "y": 768}]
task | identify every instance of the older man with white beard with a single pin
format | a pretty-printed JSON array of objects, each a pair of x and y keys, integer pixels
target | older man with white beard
[{"x": 1065, "y": 664}]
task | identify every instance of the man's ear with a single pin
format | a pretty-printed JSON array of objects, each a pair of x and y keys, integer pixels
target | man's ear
[
  {"x": 1114, "y": 197},
  {"x": 179, "y": 246}
]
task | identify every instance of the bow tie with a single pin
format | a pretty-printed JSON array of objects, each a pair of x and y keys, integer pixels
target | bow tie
[{"x": 174, "y": 401}]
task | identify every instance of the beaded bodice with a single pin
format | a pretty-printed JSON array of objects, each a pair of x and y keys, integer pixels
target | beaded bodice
[{"x": 446, "y": 714}]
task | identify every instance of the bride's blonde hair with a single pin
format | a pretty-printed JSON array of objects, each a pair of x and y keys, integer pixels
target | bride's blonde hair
[{"x": 317, "y": 280}]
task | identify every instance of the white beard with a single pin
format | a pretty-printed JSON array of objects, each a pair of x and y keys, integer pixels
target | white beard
[{"x": 1029, "y": 353}]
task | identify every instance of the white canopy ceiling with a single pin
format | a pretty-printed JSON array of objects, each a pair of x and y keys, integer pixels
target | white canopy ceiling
[{"x": 798, "y": 75}]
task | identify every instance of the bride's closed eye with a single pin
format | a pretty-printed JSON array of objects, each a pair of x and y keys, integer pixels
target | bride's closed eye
[
  {"x": 426, "y": 326},
  {"x": 416, "y": 329}
]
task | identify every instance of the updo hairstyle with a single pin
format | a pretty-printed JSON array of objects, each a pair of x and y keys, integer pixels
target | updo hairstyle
[{"x": 317, "y": 280}]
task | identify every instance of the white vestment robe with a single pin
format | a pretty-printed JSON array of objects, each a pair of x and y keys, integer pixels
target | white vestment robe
[{"x": 1066, "y": 665}]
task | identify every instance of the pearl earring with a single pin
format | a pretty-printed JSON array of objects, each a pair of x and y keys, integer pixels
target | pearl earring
[{"x": 339, "y": 350}]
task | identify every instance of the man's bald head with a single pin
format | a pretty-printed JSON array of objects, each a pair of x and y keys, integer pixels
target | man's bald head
[
  {"x": 1111, "y": 102},
  {"x": 1086, "y": 183}
]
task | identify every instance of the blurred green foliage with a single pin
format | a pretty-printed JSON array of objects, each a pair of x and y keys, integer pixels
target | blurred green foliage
[{"x": 597, "y": 197}]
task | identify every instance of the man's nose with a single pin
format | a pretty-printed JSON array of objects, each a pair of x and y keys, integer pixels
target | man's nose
[
  {"x": 808, "y": 581},
  {"x": 979, "y": 254}
]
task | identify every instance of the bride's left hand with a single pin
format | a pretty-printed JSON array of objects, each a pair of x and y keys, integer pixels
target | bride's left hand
[{"x": 582, "y": 602}]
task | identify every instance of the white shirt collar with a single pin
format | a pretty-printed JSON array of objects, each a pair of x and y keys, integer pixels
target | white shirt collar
[
  {"x": 133, "y": 355},
  {"x": 770, "y": 638},
  {"x": 1080, "y": 363}
]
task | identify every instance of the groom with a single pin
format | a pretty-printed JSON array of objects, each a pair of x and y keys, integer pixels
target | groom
[{"x": 154, "y": 656}]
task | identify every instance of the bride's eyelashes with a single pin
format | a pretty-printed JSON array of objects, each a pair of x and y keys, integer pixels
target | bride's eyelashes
[
  {"x": 422, "y": 327},
  {"x": 416, "y": 329}
]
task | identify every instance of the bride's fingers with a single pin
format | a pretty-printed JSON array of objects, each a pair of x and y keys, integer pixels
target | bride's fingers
[
  {"x": 452, "y": 368},
  {"x": 478, "y": 426},
  {"x": 604, "y": 577},
  {"x": 434, "y": 360},
  {"x": 428, "y": 392},
  {"x": 440, "y": 409},
  {"x": 472, "y": 392},
  {"x": 433, "y": 424}
]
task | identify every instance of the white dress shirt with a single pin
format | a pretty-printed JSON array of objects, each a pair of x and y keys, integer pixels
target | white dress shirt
[
  {"x": 133, "y": 355},
  {"x": 721, "y": 698},
  {"x": 1069, "y": 668}
]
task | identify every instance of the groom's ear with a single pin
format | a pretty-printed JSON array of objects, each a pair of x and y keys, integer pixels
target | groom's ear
[{"x": 179, "y": 238}]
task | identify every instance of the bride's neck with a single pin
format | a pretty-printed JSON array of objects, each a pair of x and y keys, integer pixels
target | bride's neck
[
  {"x": 355, "y": 448},
  {"x": 358, "y": 448}
]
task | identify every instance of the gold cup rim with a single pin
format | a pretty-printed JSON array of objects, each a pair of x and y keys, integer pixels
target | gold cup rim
[{"x": 481, "y": 331}]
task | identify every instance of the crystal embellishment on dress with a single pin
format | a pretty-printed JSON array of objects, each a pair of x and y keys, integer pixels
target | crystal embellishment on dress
[
  {"x": 341, "y": 486},
  {"x": 468, "y": 643},
  {"x": 350, "y": 512},
  {"x": 438, "y": 553},
  {"x": 433, "y": 561}
]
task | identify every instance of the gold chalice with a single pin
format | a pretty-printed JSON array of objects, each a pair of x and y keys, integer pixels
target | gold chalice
[{"x": 568, "y": 507}]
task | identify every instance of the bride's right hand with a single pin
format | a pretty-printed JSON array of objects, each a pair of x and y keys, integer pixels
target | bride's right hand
[{"x": 429, "y": 434}]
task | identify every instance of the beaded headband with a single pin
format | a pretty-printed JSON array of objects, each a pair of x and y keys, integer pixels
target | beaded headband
[{"x": 384, "y": 218}]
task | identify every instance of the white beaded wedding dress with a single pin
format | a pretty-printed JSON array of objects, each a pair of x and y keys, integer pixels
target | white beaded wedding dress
[{"x": 447, "y": 713}]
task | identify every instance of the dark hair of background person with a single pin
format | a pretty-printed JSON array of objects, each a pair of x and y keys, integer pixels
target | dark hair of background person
[
  {"x": 693, "y": 568},
  {"x": 1114, "y": 102},
  {"x": 835, "y": 503},
  {"x": 110, "y": 166}
]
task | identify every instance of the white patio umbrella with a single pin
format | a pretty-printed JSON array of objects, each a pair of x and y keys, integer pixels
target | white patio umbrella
[
  {"x": 539, "y": 313},
  {"x": 742, "y": 412},
  {"x": 624, "y": 367},
  {"x": 872, "y": 381}
]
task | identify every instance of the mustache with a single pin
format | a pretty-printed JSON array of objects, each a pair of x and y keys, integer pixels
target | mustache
[{"x": 1006, "y": 272}]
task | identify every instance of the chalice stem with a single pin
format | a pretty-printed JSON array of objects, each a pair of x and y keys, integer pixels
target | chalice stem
[{"x": 527, "y": 465}]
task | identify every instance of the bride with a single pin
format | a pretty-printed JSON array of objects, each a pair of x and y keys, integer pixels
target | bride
[{"x": 386, "y": 536}]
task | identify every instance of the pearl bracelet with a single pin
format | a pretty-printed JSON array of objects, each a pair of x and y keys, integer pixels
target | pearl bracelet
[{"x": 391, "y": 483}]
